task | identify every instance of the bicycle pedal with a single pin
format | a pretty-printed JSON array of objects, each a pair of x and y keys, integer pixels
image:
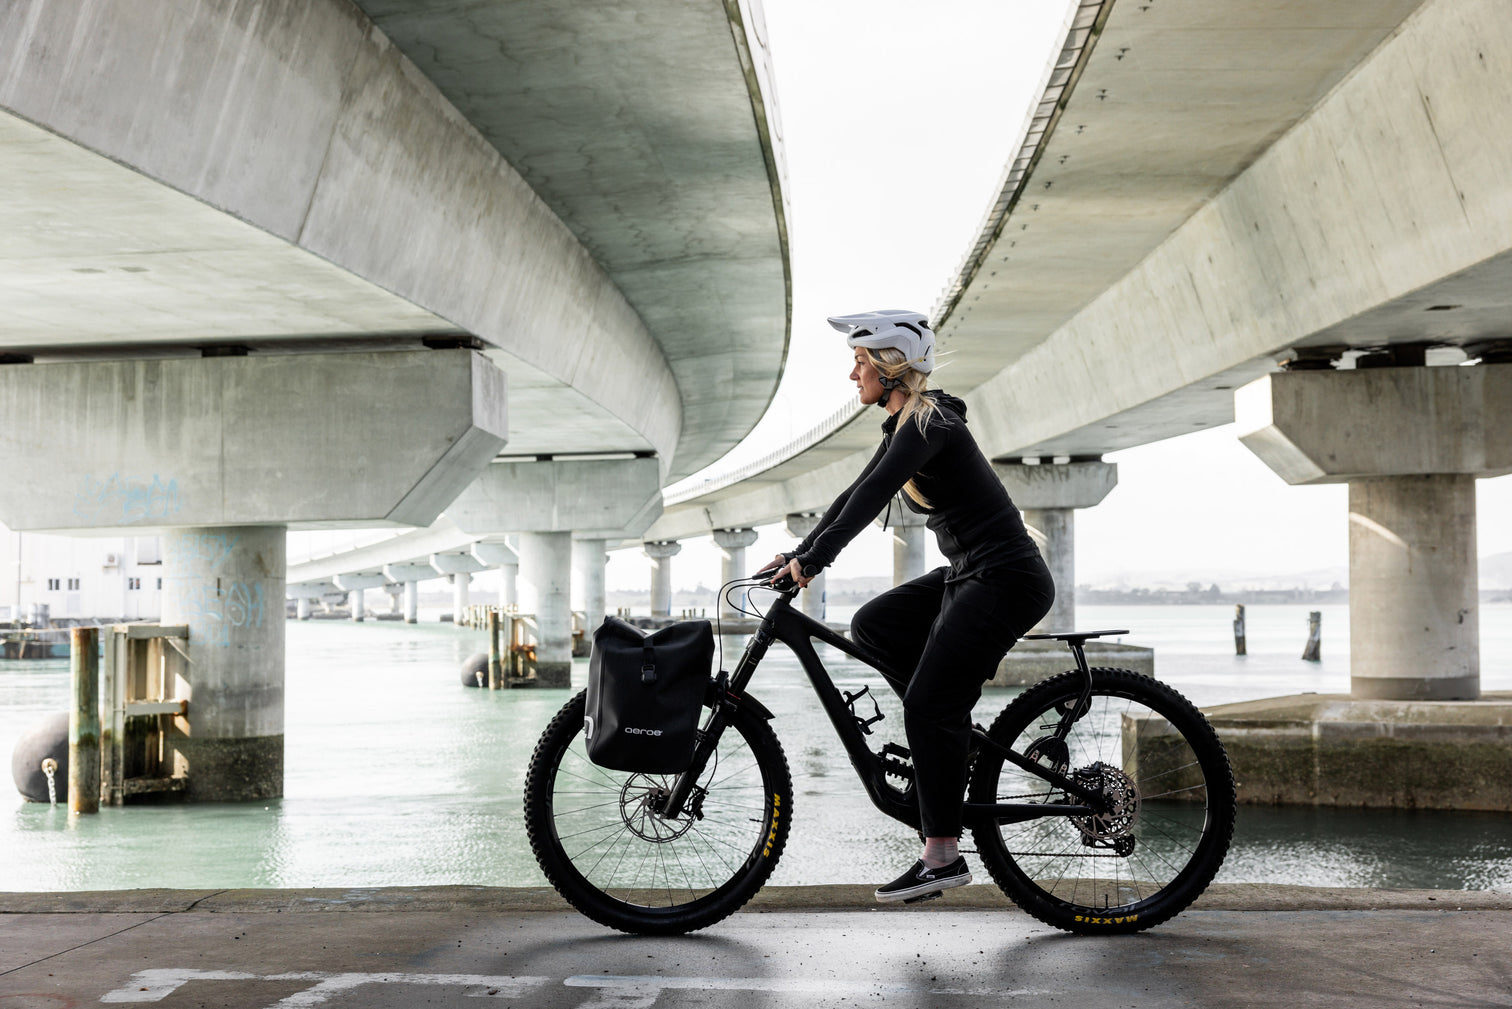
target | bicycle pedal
[{"x": 921, "y": 898}]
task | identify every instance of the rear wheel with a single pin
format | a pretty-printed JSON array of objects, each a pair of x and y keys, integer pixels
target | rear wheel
[
  {"x": 1169, "y": 797},
  {"x": 602, "y": 841}
]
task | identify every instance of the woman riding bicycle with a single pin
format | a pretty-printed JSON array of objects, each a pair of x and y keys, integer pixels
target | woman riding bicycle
[{"x": 951, "y": 627}]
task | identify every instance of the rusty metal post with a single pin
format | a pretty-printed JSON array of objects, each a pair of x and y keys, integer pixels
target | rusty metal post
[
  {"x": 84, "y": 723},
  {"x": 1240, "y": 648},
  {"x": 495, "y": 662}
]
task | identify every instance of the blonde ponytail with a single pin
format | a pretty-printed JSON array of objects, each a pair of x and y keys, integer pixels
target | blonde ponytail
[{"x": 892, "y": 364}]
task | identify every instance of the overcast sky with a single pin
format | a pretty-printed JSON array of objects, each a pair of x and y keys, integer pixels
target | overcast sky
[{"x": 898, "y": 118}]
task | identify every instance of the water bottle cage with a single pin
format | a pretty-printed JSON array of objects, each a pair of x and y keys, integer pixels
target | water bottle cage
[{"x": 864, "y": 724}]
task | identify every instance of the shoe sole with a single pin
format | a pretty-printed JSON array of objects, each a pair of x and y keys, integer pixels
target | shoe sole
[{"x": 898, "y": 896}]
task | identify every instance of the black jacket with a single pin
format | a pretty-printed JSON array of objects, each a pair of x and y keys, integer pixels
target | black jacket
[{"x": 973, "y": 519}]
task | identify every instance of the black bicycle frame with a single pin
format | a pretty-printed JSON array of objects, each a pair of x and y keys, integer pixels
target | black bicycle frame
[{"x": 797, "y": 630}]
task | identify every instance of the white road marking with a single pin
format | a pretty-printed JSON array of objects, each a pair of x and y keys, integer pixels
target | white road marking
[
  {"x": 610, "y": 991},
  {"x": 808, "y": 986},
  {"x": 156, "y": 985}
]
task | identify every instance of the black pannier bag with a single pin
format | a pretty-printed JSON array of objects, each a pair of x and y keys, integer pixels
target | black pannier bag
[{"x": 646, "y": 694}]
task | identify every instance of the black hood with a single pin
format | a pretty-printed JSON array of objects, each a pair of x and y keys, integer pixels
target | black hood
[{"x": 946, "y": 399}]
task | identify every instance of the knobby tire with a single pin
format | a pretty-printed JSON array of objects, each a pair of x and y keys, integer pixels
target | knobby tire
[
  {"x": 598, "y": 841},
  {"x": 1164, "y": 839}
]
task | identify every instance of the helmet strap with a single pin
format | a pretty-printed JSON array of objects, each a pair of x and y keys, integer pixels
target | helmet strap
[{"x": 888, "y": 385}]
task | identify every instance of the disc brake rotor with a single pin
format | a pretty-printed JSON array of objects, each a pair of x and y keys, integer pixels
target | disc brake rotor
[
  {"x": 640, "y": 800},
  {"x": 1113, "y": 827}
]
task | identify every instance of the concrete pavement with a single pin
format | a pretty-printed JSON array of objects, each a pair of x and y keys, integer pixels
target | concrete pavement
[{"x": 796, "y": 946}]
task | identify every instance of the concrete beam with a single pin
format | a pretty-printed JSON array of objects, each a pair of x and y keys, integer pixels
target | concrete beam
[
  {"x": 410, "y": 572},
  {"x": 299, "y": 121},
  {"x": 310, "y": 590},
  {"x": 457, "y": 564},
  {"x": 593, "y": 499},
  {"x": 361, "y": 581},
  {"x": 309, "y": 440},
  {"x": 1336, "y": 426},
  {"x": 495, "y": 554},
  {"x": 1058, "y": 485}
]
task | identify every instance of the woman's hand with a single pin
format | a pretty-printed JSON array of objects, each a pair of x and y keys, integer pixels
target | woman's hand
[
  {"x": 793, "y": 571},
  {"x": 773, "y": 566}
]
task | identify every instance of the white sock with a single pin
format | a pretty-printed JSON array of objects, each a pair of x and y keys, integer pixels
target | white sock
[{"x": 941, "y": 851}]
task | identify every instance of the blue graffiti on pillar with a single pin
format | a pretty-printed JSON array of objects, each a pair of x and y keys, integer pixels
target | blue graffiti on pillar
[
  {"x": 225, "y": 608},
  {"x": 212, "y": 548},
  {"x": 119, "y": 500}
]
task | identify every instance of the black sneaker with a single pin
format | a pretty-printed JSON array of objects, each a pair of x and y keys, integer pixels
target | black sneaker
[{"x": 921, "y": 880}]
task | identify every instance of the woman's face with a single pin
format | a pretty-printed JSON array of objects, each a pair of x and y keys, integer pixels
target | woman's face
[{"x": 864, "y": 374}]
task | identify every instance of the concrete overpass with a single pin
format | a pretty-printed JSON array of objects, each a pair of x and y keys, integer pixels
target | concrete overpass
[
  {"x": 272, "y": 265},
  {"x": 1301, "y": 208}
]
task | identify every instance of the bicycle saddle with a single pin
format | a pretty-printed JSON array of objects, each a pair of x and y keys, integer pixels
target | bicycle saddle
[{"x": 1072, "y": 637}]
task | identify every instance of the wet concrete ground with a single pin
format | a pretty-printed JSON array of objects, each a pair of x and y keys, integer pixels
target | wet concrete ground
[{"x": 798, "y": 947}]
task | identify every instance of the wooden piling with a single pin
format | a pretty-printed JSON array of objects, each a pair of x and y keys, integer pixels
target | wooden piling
[
  {"x": 495, "y": 658},
  {"x": 1314, "y": 650},
  {"x": 84, "y": 723},
  {"x": 1240, "y": 648}
]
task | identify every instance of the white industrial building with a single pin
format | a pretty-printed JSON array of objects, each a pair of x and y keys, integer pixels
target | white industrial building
[{"x": 103, "y": 577}]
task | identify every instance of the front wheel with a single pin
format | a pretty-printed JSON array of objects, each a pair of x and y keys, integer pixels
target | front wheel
[
  {"x": 1168, "y": 793},
  {"x": 601, "y": 838}
]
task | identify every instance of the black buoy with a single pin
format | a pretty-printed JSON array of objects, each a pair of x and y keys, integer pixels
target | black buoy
[
  {"x": 49, "y": 739},
  {"x": 474, "y": 671}
]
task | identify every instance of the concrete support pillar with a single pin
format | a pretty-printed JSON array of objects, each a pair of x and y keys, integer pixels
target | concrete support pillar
[
  {"x": 411, "y": 602},
  {"x": 509, "y": 585},
  {"x": 661, "y": 555},
  {"x": 302, "y": 607},
  {"x": 1057, "y": 526},
  {"x": 909, "y": 539},
  {"x": 499, "y": 554},
  {"x": 732, "y": 545},
  {"x": 357, "y": 598},
  {"x": 1048, "y": 494},
  {"x": 1410, "y": 441},
  {"x": 1414, "y": 627},
  {"x": 545, "y": 590},
  {"x": 460, "y": 582},
  {"x": 396, "y": 598},
  {"x": 588, "y": 560},
  {"x": 812, "y": 598},
  {"x": 227, "y": 585}
]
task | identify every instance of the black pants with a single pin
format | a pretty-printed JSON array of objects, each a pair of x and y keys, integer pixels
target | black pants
[{"x": 952, "y": 636}]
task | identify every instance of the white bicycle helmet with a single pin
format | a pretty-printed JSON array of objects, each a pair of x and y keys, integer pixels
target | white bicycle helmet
[{"x": 908, "y": 332}]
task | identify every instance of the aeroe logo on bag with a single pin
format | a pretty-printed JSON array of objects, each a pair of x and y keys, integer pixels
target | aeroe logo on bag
[{"x": 641, "y": 732}]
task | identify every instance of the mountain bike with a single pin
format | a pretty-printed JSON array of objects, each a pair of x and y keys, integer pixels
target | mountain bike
[{"x": 1100, "y": 800}]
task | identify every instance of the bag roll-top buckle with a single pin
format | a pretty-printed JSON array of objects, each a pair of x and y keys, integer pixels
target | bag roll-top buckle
[{"x": 648, "y": 674}]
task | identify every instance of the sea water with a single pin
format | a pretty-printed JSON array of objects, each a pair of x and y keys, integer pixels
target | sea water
[{"x": 396, "y": 774}]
